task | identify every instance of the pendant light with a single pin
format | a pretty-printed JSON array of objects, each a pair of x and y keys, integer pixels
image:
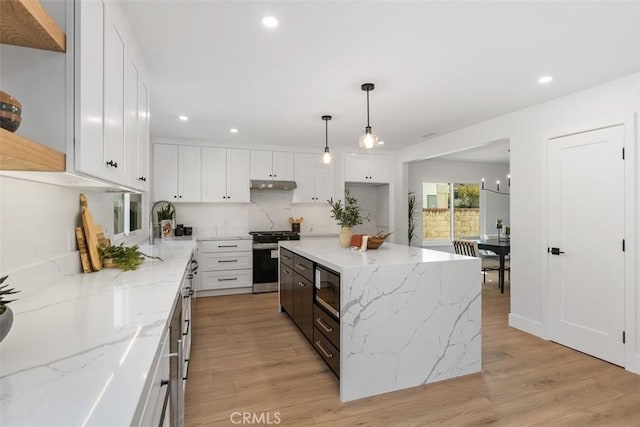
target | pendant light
[
  {"x": 326, "y": 157},
  {"x": 368, "y": 140}
]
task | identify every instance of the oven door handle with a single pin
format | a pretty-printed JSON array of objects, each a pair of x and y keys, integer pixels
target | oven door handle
[{"x": 265, "y": 246}]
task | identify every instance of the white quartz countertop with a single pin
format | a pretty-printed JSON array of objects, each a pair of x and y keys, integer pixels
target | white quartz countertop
[
  {"x": 234, "y": 237},
  {"x": 82, "y": 345},
  {"x": 328, "y": 252}
]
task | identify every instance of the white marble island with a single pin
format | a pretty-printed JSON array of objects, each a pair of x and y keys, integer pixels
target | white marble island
[{"x": 408, "y": 316}]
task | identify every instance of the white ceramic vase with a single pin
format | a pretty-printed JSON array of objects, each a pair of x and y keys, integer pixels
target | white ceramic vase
[{"x": 345, "y": 237}]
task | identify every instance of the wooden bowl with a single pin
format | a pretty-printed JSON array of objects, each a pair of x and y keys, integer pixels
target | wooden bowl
[{"x": 374, "y": 242}]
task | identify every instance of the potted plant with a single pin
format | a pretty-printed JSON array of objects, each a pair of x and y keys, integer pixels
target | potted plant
[
  {"x": 412, "y": 210},
  {"x": 165, "y": 219},
  {"x": 347, "y": 216},
  {"x": 6, "y": 315}
]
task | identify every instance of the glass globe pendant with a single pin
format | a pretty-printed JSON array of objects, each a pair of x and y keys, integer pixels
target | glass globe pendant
[
  {"x": 326, "y": 157},
  {"x": 368, "y": 140}
]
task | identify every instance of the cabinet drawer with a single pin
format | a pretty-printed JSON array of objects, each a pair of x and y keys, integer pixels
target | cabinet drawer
[
  {"x": 326, "y": 324},
  {"x": 286, "y": 257},
  {"x": 226, "y": 261},
  {"x": 225, "y": 246},
  {"x": 212, "y": 280},
  {"x": 327, "y": 351},
  {"x": 303, "y": 267}
]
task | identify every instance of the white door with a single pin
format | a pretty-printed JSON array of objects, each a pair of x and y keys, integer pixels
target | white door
[
  {"x": 189, "y": 174},
  {"x": 305, "y": 165},
  {"x": 238, "y": 176},
  {"x": 282, "y": 166},
  {"x": 586, "y": 223},
  {"x": 214, "y": 174},
  {"x": 165, "y": 172},
  {"x": 261, "y": 164}
]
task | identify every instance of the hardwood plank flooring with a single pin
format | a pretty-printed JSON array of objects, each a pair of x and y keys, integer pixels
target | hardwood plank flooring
[{"x": 248, "y": 358}]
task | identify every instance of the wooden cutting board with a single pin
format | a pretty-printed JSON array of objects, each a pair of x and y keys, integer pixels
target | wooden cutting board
[
  {"x": 90, "y": 233},
  {"x": 102, "y": 240},
  {"x": 84, "y": 253}
]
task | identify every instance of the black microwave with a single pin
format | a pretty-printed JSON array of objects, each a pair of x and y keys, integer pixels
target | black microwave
[{"x": 327, "y": 290}]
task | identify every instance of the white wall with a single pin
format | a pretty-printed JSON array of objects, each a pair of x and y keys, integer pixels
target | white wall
[{"x": 527, "y": 130}]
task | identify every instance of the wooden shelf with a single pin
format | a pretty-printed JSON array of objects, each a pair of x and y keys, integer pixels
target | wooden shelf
[
  {"x": 18, "y": 153},
  {"x": 26, "y": 23}
]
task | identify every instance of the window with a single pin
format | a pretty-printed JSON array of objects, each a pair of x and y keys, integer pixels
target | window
[
  {"x": 127, "y": 213},
  {"x": 443, "y": 220}
]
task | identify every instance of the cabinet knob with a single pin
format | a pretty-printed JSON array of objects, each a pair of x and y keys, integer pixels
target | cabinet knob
[
  {"x": 180, "y": 197},
  {"x": 224, "y": 197},
  {"x": 141, "y": 178},
  {"x": 275, "y": 176},
  {"x": 175, "y": 197},
  {"x": 112, "y": 163},
  {"x": 271, "y": 175}
]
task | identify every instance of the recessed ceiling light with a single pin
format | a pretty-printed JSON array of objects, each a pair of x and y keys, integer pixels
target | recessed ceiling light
[
  {"x": 269, "y": 22},
  {"x": 183, "y": 118},
  {"x": 380, "y": 142},
  {"x": 233, "y": 130},
  {"x": 545, "y": 79}
]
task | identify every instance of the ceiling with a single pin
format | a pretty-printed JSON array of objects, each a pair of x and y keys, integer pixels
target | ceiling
[
  {"x": 497, "y": 152},
  {"x": 437, "y": 66}
]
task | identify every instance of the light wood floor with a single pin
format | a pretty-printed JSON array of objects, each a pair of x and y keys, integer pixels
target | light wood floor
[{"x": 247, "y": 357}]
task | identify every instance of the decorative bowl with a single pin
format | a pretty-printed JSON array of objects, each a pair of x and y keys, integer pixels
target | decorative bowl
[
  {"x": 10, "y": 112},
  {"x": 374, "y": 242}
]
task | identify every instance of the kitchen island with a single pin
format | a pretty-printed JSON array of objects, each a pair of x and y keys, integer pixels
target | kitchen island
[{"x": 407, "y": 316}]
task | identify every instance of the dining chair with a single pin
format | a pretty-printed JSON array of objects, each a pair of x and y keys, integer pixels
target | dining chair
[{"x": 470, "y": 248}]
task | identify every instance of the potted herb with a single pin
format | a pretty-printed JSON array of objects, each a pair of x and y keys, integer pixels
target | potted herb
[
  {"x": 165, "y": 219},
  {"x": 347, "y": 216},
  {"x": 123, "y": 257},
  {"x": 6, "y": 315}
]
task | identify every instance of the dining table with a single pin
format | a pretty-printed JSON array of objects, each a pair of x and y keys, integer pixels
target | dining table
[{"x": 500, "y": 247}]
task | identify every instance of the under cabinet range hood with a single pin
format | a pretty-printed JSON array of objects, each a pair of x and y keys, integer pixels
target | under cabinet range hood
[{"x": 259, "y": 184}]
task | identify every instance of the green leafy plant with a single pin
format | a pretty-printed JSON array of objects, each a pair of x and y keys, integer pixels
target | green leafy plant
[
  {"x": 165, "y": 213},
  {"x": 125, "y": 258},
  {"x": 412, "y": 210},
  {"x": 348, "y": 215},
  {"x": 4, "y": 292},
  {"x": 507, "y": 230}
]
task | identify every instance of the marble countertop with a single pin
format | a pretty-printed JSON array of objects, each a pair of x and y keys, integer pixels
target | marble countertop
[
  {"x": 328, "y": 252},
  {"x": 82, "y": 345}
]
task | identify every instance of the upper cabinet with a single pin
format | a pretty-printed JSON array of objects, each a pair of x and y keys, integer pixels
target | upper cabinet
[
  {"x": 271, "y": 165},
  {"x": 225, "y": 175},
  {"x": 177, "y": 173},
  {"x": 112, "y": 101},
  {"x": 313, "y": 178},
  {"x": 372, "y": 168}
]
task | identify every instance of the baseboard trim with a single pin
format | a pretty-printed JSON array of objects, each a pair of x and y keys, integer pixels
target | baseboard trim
[
  {"x": 220, "y": 292},
  {"x": 635, "y": 368},
  {"x": 527, "y": 325}
]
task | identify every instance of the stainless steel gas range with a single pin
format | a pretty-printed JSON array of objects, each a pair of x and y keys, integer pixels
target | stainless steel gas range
[{"x": 265, "y": 258}]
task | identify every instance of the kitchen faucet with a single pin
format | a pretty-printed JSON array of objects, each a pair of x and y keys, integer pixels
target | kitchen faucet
[{"x": 152, "y": 223}]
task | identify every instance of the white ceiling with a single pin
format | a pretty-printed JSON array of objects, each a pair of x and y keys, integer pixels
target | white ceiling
[
  {"x": 437, "y": 66},
  {"x": 497, "y": 152}
]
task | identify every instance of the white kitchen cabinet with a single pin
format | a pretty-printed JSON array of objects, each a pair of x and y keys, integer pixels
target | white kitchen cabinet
[
  {"x": 272, "y": 165},
  {"x": 137, "y": 123},
  {"x": 111, "y": 97},
  {"x": 226, "y": 267},
  {"x": 313, "y": 178},
  {"x": 225, "y": 175},
  {"x": 372, "y": 168},
  {"x": 177, "y": 173}
]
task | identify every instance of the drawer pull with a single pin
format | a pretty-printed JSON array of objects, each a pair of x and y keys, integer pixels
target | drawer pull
[
  {"x": 227, "y": 260},
  {"x": 227, "y": 246},
  {"x": 301, "y": 284},
  {"x": 323, "y": 350},
  {"x": 288, "y": 258},
  {"x": 323, "y": 325},
  {"x": 301, "y": 267},
  {"x": 228, "y": 280}
]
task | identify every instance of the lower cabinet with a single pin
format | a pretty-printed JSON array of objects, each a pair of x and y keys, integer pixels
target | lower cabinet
[
  {"x": 297, "y": 295},
  {"x": 225, "y": 267}
]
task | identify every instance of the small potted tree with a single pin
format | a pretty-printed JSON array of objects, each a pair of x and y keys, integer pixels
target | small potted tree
[
  {"x": 347, "y": 216},
  {"x": 6, "y": 315}
]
